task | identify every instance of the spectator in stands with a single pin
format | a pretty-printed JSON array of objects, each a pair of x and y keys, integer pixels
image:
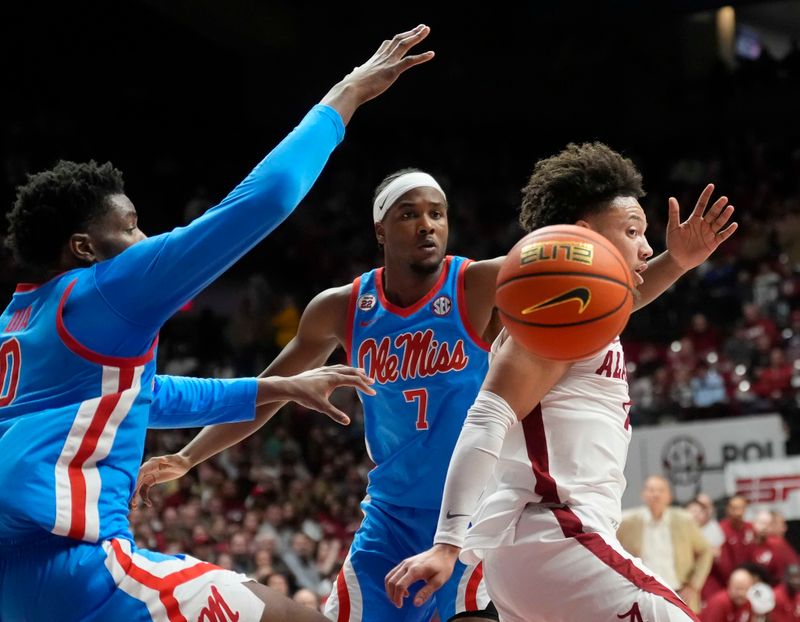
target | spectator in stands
[
  {"x": 708, "y": 392},
  {"x": 787, "y": 597},
  {"x": 731, "y": 604},
  {"x": 737, "y": 549},
  {"x": 772, "y": 552},
  {"x": 702, "y": 510},
  {"x": 705, "y": 337},
  {"x": 668, "y": 541},
  {"x": 757, "y": 325},
  {"x": 774, "y": 383},
  {"x": 302, "y": 563},
  {"x": 307, "y": 598},
  {"x": 278, "y": 582}
]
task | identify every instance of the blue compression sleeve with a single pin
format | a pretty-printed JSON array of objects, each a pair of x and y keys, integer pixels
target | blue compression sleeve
[
  {"x": 180, "y": 402},
  {"x": 118, "y": 306}
]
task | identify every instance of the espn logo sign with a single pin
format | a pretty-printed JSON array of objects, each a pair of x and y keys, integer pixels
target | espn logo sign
[{"x": 767, "y": 488}]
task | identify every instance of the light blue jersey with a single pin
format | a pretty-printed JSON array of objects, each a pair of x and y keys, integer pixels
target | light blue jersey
[
  {"x": 428, "y": 364},
  {"x": 78, "y": 391}
]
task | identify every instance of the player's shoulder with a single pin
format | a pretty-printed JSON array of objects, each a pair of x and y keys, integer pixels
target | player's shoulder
[{"x": 332, "y": 299}]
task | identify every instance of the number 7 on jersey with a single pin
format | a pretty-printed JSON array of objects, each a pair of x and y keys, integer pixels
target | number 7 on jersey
[{"x": 421, "y": 397}]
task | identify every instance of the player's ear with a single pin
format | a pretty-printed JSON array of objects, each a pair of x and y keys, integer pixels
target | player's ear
[
  {"x": 583, "y": 223},
  {"x": 380, "y": 233},
  {"x": 80, "y": 245}
]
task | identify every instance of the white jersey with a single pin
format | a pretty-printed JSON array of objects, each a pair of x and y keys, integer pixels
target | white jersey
[{"x": 571, "y": 450}]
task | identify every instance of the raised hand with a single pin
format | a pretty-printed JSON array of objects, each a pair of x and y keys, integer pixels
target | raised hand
[
  {"x": 378, "y": 73},
  {"x": 691, "y": 242},
  {"x": 434, "y": 567}
]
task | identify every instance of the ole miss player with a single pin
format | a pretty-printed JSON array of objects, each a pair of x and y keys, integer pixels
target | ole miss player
[
  {"x": 78, "y": 388},
  {"x": 416, "y": 327}
]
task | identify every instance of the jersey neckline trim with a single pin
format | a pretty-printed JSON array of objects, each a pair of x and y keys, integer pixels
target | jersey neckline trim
[{"x": 411, "y": 310}]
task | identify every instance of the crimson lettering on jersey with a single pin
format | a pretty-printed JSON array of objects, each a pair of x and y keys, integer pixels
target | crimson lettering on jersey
[
  {"x": 218, "y": 610},
  {"x": 10, "y": 362},
  {"x": 420, "y": 356},
  {"x": 613, "y": 366},
  {"x": 634, "y": 615}
]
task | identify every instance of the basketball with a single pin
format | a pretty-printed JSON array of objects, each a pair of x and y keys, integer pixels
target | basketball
[{"x": 564, "y": 292}]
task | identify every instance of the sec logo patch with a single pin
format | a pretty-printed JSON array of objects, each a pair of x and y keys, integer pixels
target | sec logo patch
[{"x": 442, "y": 306}]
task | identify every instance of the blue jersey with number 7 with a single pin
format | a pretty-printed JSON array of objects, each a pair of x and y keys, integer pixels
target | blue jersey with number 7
[{"x": 428, "y": 365}]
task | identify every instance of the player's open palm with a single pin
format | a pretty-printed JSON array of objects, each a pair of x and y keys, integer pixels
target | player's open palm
[
  {"x": 390, "y": 60},
  {"x": 313, "y": 388},
  {"x": 692, "y": 241},
  {"x": 155, "y": 471},
  {"x": 434, "y": 567}
]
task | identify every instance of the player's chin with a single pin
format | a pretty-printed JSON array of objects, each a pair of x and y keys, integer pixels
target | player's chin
[{"x": 427, "y": 265}]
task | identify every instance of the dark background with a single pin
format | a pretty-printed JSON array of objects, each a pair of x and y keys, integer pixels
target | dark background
[{"x": 184, "y": 94}]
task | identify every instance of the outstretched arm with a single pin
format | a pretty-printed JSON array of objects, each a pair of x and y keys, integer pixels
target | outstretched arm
[
  {"x": 689, "y": 243},
  {"x": 143, "y": 286},
  {"x": 321, "y": 330},
  {"x": 516, "y": 382}
]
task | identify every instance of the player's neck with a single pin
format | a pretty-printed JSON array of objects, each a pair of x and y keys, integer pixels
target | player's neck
[{"x": 404, "y": 286}]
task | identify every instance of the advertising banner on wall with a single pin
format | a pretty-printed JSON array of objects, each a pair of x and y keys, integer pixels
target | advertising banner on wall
[
  {"x": 693, "y": 456},
  {"x": 769, "y": 485}
]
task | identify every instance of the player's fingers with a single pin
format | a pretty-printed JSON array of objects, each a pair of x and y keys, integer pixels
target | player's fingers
[
  {"x": 403, "y": 41},
  {"x": 673, "y": 214},
  {"x": 700, "y": 206},
  {"x": 334, "y": 413},
  {"x": 404, "y": 576},
  {"x": 409, "y": 61},
  {"x": 362, "y": 383},
  {"x": 721, "y": 219},
  {"x": 390, "y": 583},
  {"x": 715, "y": 209},
  {"x": 727, "y": 232},
  {"x": 426, "y": 591}
]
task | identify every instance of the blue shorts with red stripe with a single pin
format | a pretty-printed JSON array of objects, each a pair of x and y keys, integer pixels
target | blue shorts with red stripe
[
  {"x": 57, "y": 578},
  {"x": 388, "y": 535}
]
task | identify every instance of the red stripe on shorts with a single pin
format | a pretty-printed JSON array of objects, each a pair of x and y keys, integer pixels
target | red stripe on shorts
[
  {"x": 165, "y": 586},
  {"x": 471, "y": 593},
  {"x": 344, "y": 597}
]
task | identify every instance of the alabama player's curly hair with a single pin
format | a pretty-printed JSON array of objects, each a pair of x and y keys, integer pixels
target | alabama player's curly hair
[
  {"x": 53, "y": 205},
  {"x": 580, "y": 180}
]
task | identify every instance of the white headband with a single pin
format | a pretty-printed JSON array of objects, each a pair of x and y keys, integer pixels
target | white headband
[{"x": 397, "y": 188}]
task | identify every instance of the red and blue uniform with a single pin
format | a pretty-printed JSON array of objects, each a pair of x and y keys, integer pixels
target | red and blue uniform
[
  {"x": 428, "y": 364},
  {"x": 78, "y": 391}
]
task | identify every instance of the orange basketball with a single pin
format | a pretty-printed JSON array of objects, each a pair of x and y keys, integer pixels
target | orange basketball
[{"x": 564, "y": 292}]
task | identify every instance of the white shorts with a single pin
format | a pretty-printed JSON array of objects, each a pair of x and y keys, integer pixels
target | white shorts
[{"x": 554, "y": 571}]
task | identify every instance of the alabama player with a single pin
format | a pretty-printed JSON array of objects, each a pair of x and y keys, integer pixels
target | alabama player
[
  {"x": 78, "y": 388},
  {"x": 538, "y": 467}
]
